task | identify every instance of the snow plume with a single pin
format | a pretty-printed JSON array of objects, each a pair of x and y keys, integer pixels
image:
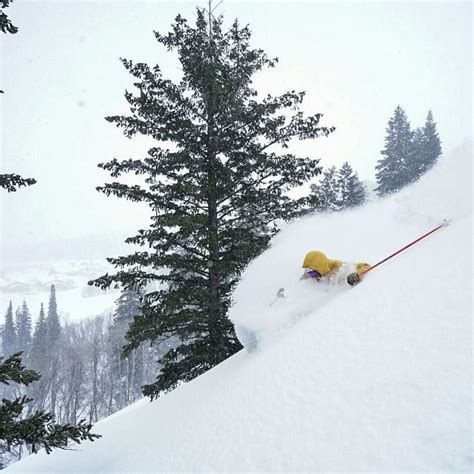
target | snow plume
[
  {"x": 371, "y": 378},
  {"x": 366, "y": 234}
]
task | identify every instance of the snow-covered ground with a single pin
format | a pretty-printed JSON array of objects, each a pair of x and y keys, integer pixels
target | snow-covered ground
[
  {"x": 76, "y": 299},
  {"x": 372, "y": 378}
]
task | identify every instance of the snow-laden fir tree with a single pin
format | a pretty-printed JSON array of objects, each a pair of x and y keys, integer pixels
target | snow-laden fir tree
[
  {"x": 126, "y": 371},
  {"x": 219, "y": 171},
  {"x": 9, "y": 336},
  {"x": 326, "y": 192},
  {"x": 351, "y": 191},
  {"x": 40, "y": 342},
  {"x": 394, "y": 169},
  {"x": 24, "y": 328},
  {"x": 39, "y": 360},
  {"x": 36, "y": 430},
  {"x": 53, "y": 327},
  {"x": 427, "y": 147},
  {"x": 53, "y": 324}
]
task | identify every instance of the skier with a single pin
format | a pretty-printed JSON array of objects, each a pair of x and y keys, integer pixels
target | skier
[{"x": 320, "y": 268}]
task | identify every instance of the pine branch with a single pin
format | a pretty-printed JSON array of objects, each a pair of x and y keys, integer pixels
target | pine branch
[{"x": 11, "y": 182}]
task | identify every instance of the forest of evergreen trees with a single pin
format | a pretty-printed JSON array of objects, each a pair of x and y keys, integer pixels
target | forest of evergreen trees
[
  {"x": 339, "y": 189},
  {"x": 408, "y": 155},
  {"x": 83, "y": 372}
]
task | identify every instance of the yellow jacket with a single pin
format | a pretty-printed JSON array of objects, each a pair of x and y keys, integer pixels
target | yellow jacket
[{"x": 316, "y": 260}]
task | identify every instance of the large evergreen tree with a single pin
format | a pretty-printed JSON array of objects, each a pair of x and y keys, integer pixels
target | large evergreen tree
[
  {"x": 351, "y": 191},
  {"x": 394, "y": 169},
  {"x": 216, "y": 182},
  {"x": 9, "y": 336}
]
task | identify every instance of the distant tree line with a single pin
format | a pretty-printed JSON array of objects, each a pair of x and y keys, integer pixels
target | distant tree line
[
  {"x": 84, "y": 375},
  {"x": 339, "y": 189},
  {"x": 408, "y": 154}
]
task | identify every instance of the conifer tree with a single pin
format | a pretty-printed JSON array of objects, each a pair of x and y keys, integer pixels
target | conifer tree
[
  {"x": 39, "y": 429},
  {"x": 38, "y": 360},
  {"x": 326, "y": 192},
  {"x": 24, "y": 328},
  {"x": 215, "y": 175},
  {"x": 9, "y": 336},
  {"x": 53, "y": 327},
  {"x": 351, "y": 190},
  {"x": 418, "y": 152},
  {"x": 127, "y": 370},
  {"x": 39, "y": 343},
  {"x": 394, "y": 169},
  {"x": 52, "y": 320},
  {"x": 6, "y": 26},
  {"x": 427, "y": 145}
]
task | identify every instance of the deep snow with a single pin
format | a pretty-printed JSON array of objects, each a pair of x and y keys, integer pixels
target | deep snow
[{"x": 372, "y": 378}]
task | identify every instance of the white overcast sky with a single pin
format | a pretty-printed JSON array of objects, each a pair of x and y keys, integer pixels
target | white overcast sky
[{"x": 62, "y": 76}]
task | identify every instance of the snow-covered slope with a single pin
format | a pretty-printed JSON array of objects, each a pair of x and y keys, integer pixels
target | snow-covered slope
[{"x": 372, "y": 378}]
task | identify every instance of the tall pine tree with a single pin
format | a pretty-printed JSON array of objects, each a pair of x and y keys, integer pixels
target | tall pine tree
[
  {"x": 53, "y": 327},
  {"x": 216, "y": 174},
  {"x": 52, "y": 321},
  {"x": 351, "y": 190},
  {"x": 39, "y": 344},
  {"x": 427, "y": 146},
  {"x": 24, "y": 328},
  {"x": 126, "y": 370},
  {"x": 326, "y": 192},
  {"x": 9, "y": 336},
  {"x": 394, "y": 169}
]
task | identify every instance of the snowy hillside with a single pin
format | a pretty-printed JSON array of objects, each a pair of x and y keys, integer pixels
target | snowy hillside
[{"x": 372, "y": 378}]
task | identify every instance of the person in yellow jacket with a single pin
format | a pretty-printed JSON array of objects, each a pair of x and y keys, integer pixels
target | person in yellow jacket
[{"x": 321, "y": 268}]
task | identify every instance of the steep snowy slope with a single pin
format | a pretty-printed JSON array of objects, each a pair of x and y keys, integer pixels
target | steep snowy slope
[{"x": 372, "y": 378}]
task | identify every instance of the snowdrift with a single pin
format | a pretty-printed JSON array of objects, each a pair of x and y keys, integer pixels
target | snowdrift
[{"x": 371, "y": 378}]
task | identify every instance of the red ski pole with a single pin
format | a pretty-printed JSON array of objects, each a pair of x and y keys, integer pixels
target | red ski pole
[{"x": 444, "y": 224}]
